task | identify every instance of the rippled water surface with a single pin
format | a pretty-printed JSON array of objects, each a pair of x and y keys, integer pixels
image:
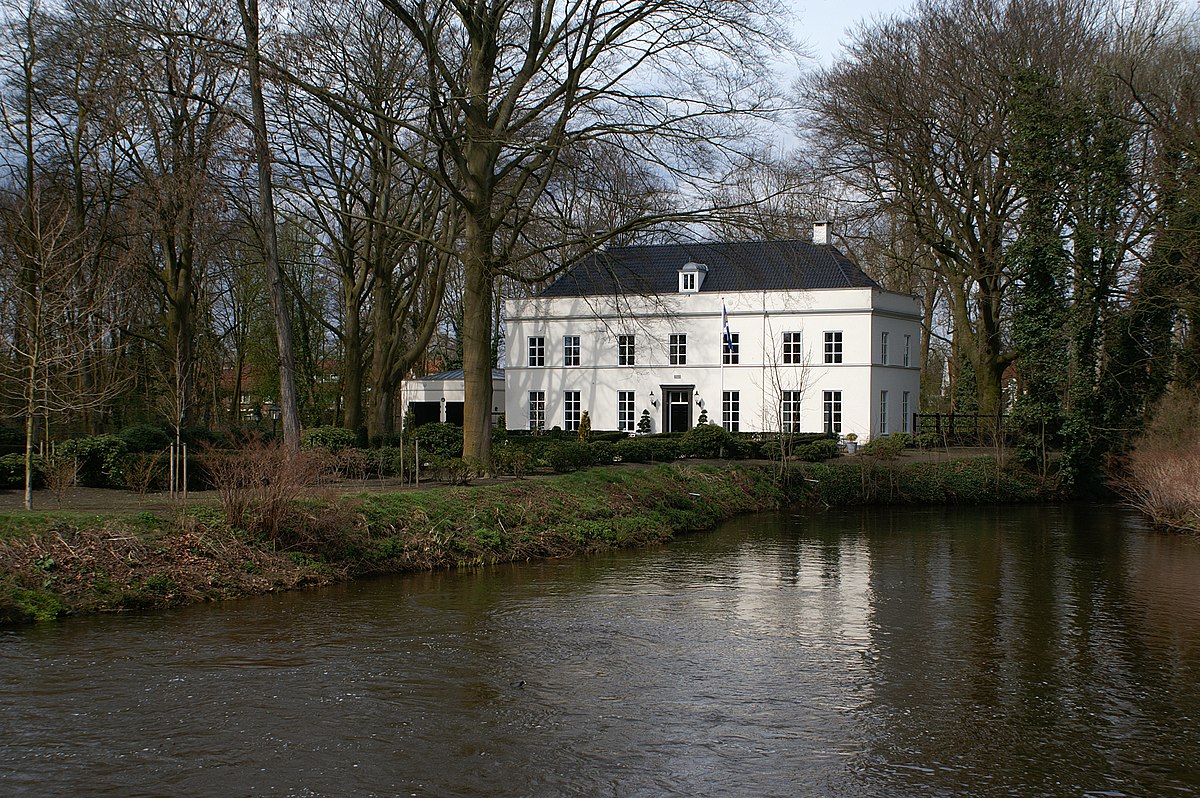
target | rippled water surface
[{"x": 1010, "y": 651}]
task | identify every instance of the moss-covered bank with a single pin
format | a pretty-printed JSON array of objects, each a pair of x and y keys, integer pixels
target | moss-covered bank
[{"x": 71, "y": 564}]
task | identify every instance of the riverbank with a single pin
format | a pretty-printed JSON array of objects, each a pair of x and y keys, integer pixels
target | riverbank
[{"x": 63, "y": 564}]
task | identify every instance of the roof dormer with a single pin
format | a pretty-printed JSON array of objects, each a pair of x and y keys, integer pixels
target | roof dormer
[{"x": 691, "y": 277}]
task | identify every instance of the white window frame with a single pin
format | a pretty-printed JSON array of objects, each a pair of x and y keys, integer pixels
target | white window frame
[
  {"x": 731, "y": 410},
  {"x": 626, "y": 352},
  {"x": 729, "y": 355},
  {"x": 793, "y": 348},
  {"x": 833, "y": 347},
  {"x": 570, "y": 350},
  {"x": 790, "y": 406},
  {"x": 626, "y": 411},
  {"x": 677, "y": 349},
  {"x": 831, "y": 411},
  {"x": 537, "y": 351},
  {"x": 905, "y": 410},
  {"x": 907, "y": 349},
  {"x": 571, "y": 410},
  {"x": 883, "y": 348},
  {"x": 537, "y": 410},
  {"x": 883, "y": 412}
]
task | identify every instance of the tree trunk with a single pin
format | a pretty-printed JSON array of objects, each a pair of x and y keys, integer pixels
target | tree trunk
[
  {"x": 290, "y": 415},
  {"x": 477, "y": 344},
  {"x": 352, "y": 368}
]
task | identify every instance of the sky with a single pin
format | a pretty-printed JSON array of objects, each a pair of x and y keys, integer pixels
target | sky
[{"x": 822, "y": 24}]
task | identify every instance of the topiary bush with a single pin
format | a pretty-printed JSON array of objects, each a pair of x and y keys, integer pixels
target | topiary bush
[
  {"x": 101, "y": 459},
  {"x": 441, "y": 440},
  {"x": 145, "y": 438},
  {"x": 332, "y": 438},
  {"x": 708, "y": 441}
]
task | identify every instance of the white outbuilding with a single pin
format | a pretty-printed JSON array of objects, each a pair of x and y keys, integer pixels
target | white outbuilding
[{"x": 758, "y": 336}]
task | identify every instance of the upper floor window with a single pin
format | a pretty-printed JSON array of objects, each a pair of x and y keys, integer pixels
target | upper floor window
[
  {"x": 570, "y": 350},
  {"x": 537, "y": 350},
  {"x": 678, "y": 349},
  {"x": 833, "y": 346},
  {"x": 625, "y": 350},
  {"x": 793, "y": 352},
  {"x": 883, "y": 348},
  {"x": 730, "y": 343},
  {"x": 907, "y": 347},
  {"x": 687, "y": 281}
]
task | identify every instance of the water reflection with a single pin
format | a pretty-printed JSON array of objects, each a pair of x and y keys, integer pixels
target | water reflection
[{"x": 1004, "y": 651}]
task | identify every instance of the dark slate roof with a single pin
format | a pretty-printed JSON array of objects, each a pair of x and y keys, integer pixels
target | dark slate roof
[
  {"x": 735, "y": 266},
  {"x": 457, "y": 374}
]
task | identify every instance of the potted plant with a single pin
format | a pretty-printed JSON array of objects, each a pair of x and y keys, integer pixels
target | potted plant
[{"x": 851, "y": 443}]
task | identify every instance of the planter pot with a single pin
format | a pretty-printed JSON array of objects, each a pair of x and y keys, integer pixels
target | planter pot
[{"x": 851, "y": 447}]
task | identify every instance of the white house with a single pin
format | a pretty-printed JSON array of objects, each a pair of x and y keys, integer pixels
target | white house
[{"x": 761, "y": 336}]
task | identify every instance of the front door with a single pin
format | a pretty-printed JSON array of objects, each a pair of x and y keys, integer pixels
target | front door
[{"x": 677, "y": 415}]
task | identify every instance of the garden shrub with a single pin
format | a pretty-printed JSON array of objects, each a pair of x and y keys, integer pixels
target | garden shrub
[
  {"x": 145, "y": 438},
  {"x": 611, "y": 436},
  {"x": 513, "y": 460},
  {"x": 664, "y": 450},
  {"x": 633, "y": 450},
  {"x": 885, "y": 447},
  {"x": 101, "y": 459},
  {"x": 708, "y": 441},
  {"x": 564, "y": 456},
  {"x": 603, "y": 452},
  {"x": 441, "y": 440},
  {"x": 816, "y": 451},
  {"x": 12, "y": 471},
  {"x": 332, "y": 438}
]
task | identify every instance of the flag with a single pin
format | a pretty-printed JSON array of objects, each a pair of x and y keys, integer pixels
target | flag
[{"x": 725, "y": 328}]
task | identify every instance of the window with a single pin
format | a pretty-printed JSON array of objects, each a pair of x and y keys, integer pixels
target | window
[
  {"x": 625, "y": 350},
  {"x": 883, "y": 348},
  {"x": 537, "y": 351},
  {"x": 678, "y": 349},
  {"x": 571, "y": 410},
  {"x": 833, "y": 346},
  {"x": 883, "y": 413},
  {"x": 789, "y": 414},
  {"x": 570, "y": 350},
  {"x": 625, "y": 417},
  {"x": 687, "y": 281},
  {"x": 792, "y": 352},
  {"x": 731, "y": 410},
  {"x": 832, "y": 408},
  {"x": 537, "y": 410},
  {"x": 730, "y": 343},
  {"x": 907, "y": 347},
  {"x": 904, "y": 410}
]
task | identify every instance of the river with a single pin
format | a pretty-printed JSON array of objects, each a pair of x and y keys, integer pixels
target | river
[{"x": 884, "y": 652}]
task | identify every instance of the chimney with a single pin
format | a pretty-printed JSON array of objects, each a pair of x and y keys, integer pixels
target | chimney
[{"x": 820, "y": 233}]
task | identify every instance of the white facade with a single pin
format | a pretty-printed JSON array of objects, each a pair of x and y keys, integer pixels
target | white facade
[
  {"x": 440, "y": 397},
  {"x": 842, "y": 360}
]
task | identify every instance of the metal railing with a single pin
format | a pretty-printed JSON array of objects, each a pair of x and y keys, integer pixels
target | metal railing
[{"x": 961, "y": 429}]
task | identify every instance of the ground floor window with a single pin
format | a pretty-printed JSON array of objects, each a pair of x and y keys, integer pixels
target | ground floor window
[
  {"x": 883, "y": 413},
  {"x": 537, "y": 410},
  {"x": 625, "y": 418},
  {"x": 789, "y": 414},
  {"x": 904, "y": 410},
  {"x": 731, "y": 410},
  {"x": 832, "y": 408},
  {"x": 571, "y": 410}
]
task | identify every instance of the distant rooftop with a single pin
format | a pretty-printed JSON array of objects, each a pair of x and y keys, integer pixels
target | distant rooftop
[
  {"x": 733, "y": 266},
  {"x": 457, "y": 374}
]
